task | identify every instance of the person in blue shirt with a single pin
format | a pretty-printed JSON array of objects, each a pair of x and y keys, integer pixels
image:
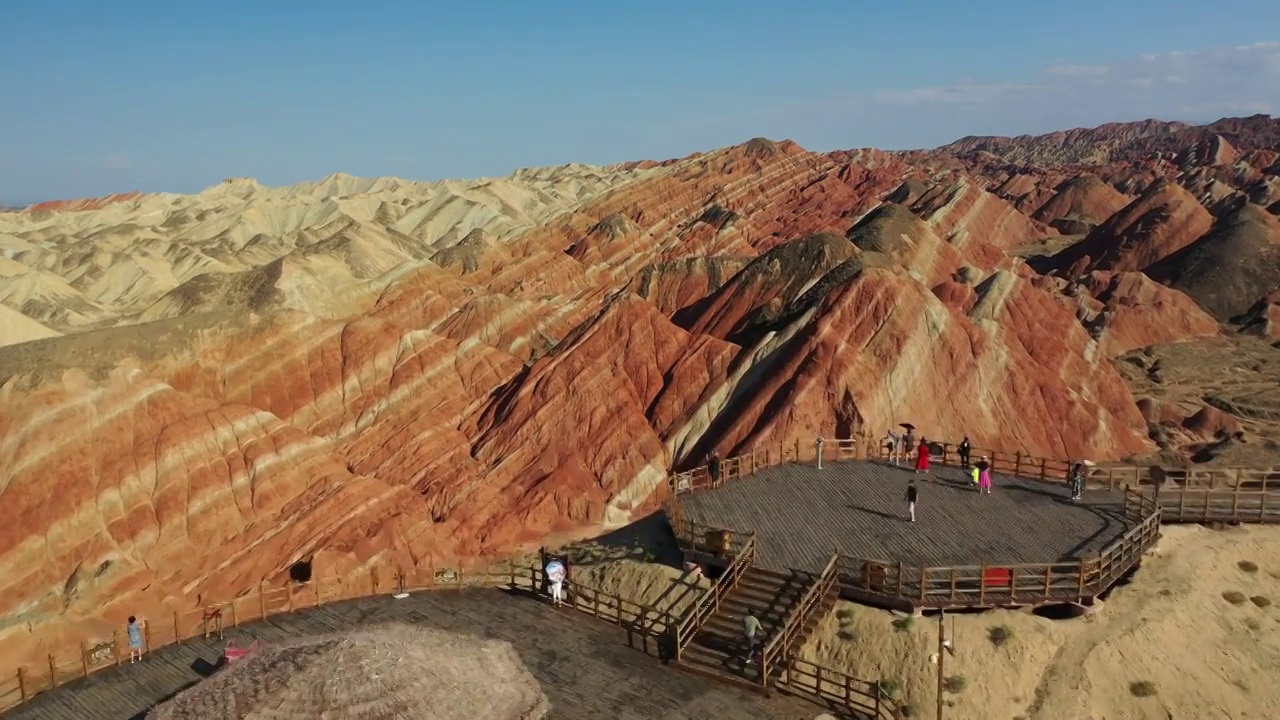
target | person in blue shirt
[{"x": 135, "y": 639}]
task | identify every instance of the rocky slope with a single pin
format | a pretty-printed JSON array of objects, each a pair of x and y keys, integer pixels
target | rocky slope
[{"x": 198, "y": 391}]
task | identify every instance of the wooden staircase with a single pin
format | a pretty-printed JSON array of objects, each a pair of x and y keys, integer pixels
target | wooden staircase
[{"x": 786, "y": 604}]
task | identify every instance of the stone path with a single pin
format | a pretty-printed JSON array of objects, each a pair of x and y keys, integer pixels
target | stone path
[{"x": 803, "y": 514}]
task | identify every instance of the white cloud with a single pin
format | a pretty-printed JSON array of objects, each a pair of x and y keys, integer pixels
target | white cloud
[
  {"x": 1198, "y": 85},
  {"x": 1247, "y": 75}
]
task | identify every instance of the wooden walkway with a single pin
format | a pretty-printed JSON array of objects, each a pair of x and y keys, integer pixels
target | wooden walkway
[
  {"x": 584, "y": 665},
  {"x": 803, "y": 514}
]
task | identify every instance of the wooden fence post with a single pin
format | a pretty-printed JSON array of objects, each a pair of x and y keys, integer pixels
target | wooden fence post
[
  {"x": 84, "y": 658},
  {"x": 1043, "y": 469},
  {"x": 262, "y": 600},
  {"x": 235, "y": 620},
  {"x": 22, "y": 684},
  {"x": 53, "y": 670},
  {"x": 1017, "y": 464},
  {"x": 177, "y": 634}
]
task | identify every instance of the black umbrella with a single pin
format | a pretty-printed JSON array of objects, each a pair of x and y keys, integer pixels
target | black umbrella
[{"x": 908, "y": 426}]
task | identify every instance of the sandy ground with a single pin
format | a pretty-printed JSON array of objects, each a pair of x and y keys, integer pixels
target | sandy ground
[
  {"x": 1237, "y": 374},
  {"x": 1171, "y": 644}
]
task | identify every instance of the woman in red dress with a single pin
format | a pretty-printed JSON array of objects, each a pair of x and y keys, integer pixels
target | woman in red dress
[{"x": 922, "y": 457}]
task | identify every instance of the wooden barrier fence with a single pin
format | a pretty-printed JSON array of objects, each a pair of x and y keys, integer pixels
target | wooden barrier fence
[
  {"x": 1204, "y": 505},
  {"x": 176, "y": 626},
  {"x": 780, "y": 645},
  {"x": 1001, "y": 584},
  {"x": 709, "y": 602},
  {"x": 1109, "y": 476},
  {"x": 862, "y": 697}
]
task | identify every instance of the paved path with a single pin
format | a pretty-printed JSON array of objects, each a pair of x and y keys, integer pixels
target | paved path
[
  {"x": 583, "y": 664},
  {"x": 803, "y": 514}
]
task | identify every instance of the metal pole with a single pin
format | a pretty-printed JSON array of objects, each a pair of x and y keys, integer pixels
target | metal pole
[{"x": 942, "y": 655}]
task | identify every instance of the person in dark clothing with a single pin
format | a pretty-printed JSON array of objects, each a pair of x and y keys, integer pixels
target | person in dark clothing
[
  {"x": 911, "y": 497},
  {"x": 713, "y": 468},
  {"x": 965, "y": 449},
  {"x": 1077, "y": 480}
]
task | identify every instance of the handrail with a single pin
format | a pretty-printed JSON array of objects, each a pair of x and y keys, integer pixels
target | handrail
[
  {"x": 709, "y": 602},
  {"x": 863, "y": 697},
  {"x": 781, "y": 641},
  {"x": 20, "y": 684},
  {"x": 1112, "y": 476}
]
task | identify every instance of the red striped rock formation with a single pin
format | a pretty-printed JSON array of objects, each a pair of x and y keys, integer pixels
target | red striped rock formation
[
  {"x": 1165, "y": 219},
  {"x": 81, "y": 204},
  {"x": 353, "y": 371},
  {"x": 1227, "y": 269},
  {"x": 1081, "y": 203}
]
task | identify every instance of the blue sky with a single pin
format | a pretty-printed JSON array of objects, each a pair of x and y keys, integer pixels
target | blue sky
[{"x": 107, "y": 97}]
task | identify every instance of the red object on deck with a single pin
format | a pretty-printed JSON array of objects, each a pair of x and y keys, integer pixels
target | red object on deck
[
  {"x": 997, "y": 577},
  {"x": 234, "y": 652}
]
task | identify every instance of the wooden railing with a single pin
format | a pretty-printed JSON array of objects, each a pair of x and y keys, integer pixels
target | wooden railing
[
  {"x": 831, "y": 687},
  {"x": 1109, "y": 476},
  {"x": 1138, "y": 505},
  {"x": 644, "y": 621},
  {"x": 1204, "y": 505},
  {"x": 18, "y": 685},
  {"x": 780, "y": 644},
  {"x": 1121, "y": 556},
  {"x": 697, "y": 537},
  {"x": 687, "y": 626},
  {"x": 995, "y": 585}
]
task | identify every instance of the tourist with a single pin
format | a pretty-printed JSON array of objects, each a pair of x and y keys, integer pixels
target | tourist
[
  {"x": 975, "y": 478},
  {"x": 1077, "y": 480},
  {"x": 713, "y": 468},
  {"x": 912, "y": 495},
  {"x": 984, "y": 475},
  {"x": 909, "y": 441},
  {"x": 922, "y": 456},
  {"x": 965, "y": 449},
  {"x": 556, "y": 572},
  {"x": 134, "y": 631},
  {"x": 752, "y": 632},
  {"x": 893, "y": 443}
]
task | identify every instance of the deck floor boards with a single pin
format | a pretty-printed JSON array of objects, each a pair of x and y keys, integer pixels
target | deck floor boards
[
  {"x": 583, "y": 664},
  {"x": 803, "y": 514}
]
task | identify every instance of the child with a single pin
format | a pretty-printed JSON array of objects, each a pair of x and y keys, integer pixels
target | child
[
  {"x": 134, "y": 629},
  {"x": 974, "y": 473},
  {"x": 912, "y": 496}
]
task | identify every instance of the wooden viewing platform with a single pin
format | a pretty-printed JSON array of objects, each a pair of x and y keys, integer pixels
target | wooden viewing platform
[
  {"x": 584, "y": 666},
  {"x": 1026, "y": 543}
]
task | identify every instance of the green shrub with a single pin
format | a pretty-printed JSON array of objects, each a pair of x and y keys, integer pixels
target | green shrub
[
  {"x": 1142, "y": 688},
  {"x": 1000, "y": 634}
]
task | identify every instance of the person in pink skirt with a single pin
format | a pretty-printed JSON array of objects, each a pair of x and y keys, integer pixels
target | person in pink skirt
[{"x": 984, "y": 476}]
